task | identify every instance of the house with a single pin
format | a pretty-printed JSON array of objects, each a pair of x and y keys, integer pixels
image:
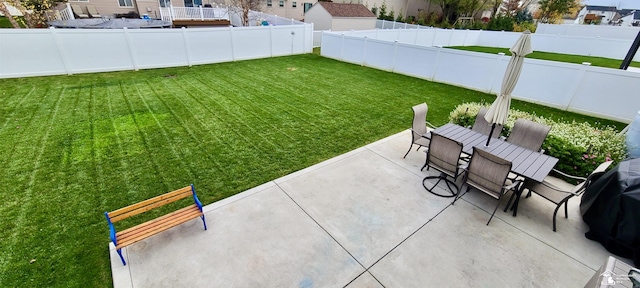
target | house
[
  {"x": 340, "y": 17},
  {"x": 135, "y": 8},
  {"x": 405, "y": 7},
  {"x": 292, "y": 9},
  {"x": 599, "y": 15}
]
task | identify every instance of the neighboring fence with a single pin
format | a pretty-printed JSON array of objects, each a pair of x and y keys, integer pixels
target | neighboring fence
[
  {"x": 602, "y": 31},
  {"x": 602, "y": 92},
  {"x": 193, "y": 13},
  {"x": 384, "y": 24},
  {"x": 590, "y": 46},
  {"x": 40, "y": 52}
]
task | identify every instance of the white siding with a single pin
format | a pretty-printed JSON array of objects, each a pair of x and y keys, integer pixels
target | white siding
[
  {"x": 320, "y": 18},
  {"x": 352, "y": 23}
]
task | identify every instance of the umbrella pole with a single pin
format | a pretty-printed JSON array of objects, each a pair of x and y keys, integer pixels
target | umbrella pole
[{"x": 490, "y": 133}]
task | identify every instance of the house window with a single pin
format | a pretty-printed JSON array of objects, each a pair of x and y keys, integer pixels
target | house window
[
  {"x": 294, "y": 4},
  {"x": 307, "y": 6},
  {"x": 281, "y": 3},
  {"x": 269, "y": 3},
  {"x": 125, "y": 3},
  {"x": 165, "y": 3}
]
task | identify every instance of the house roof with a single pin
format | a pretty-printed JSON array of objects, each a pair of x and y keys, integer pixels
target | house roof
[
  {"x": 346, "y": 10},
  {"x": 601, "y": 8}
]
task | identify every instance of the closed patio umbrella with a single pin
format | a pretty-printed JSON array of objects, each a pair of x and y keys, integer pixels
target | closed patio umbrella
[{"x": 497, "y": 113}]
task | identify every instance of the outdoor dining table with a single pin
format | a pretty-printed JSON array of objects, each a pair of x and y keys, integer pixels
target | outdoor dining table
[{"x": 532, "y": 165}]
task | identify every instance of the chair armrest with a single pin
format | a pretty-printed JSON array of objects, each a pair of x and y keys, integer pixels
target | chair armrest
[
  {"x": 569, "y": 176},
  {"x": 514, "y": 184},
  {"x": 426, "y": 135}
]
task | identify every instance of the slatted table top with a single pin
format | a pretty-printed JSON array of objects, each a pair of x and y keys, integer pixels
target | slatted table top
[{"x": 530, "y": 164}]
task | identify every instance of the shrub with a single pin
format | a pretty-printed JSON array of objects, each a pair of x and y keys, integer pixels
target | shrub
[
  {"x": 579, "y": 147},
  {"x": 521, "y": 27},
  {"x": 500, "y": 23}
]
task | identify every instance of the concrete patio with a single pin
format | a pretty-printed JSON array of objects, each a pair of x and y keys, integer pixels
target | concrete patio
[{"x": 363, "y": 219}]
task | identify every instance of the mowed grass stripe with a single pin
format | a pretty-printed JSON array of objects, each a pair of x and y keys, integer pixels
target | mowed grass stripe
[
  {"x": 265, "y": 122},
  {"x": 26, "y": 194},
  {"x": 175, "y": 166}
]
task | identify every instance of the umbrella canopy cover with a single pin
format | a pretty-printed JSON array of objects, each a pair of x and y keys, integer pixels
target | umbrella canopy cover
[{"x": 499, "y": 110}]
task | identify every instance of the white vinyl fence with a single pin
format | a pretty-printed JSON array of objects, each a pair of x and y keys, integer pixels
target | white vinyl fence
[
  {"x": 601, "y": 31},
  {"x": 40, "y": 52},
  {"x": 589, "y": 46},
  {"x": 602, "y": 92}
]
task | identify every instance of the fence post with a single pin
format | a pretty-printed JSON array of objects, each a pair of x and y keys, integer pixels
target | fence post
[
  {"x": 433, "y": 39},
  {"x": 172, "y": 12},
  {"x": 435, "y": 63},
  {"x": 63, "y": 57},
  {"x": 395, "y": 52},
  {"x": 382, "y": 26},
  {"x": 364, "y": 51},
  {"x": 574, "y": 89},
  {"x": 342, "y": 48},
  {"x": 415, "y": 41},
  {"x": 201, "y": 15},
  {"x": 186, "y": 45},
  {"x": 271, "y": 40},
  {"x": 130, "y": 47},
  {"x": 233, "y": 54},
  {"x": 450, "y": 36},
  {"x": 394, "y": 25}
]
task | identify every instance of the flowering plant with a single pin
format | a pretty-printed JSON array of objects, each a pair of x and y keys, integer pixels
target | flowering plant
[{"x": 579, "y": 146}]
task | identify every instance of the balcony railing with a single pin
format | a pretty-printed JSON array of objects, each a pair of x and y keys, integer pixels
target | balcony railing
[{"x": 193, "y": 13}]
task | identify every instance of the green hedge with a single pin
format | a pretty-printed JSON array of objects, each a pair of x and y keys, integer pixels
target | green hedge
[{"x": 580, "y": 147}]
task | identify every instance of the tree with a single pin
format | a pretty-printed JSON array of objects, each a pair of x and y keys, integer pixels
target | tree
[
  {"x": 511, "y": 8},
  {"x": 242, "y": 7},
  {"x": 34, "y": 11},
  {"x": 449, "y": 10},
  {"x": 551, "y": 11},
  {"x": 5, "y": 11}
]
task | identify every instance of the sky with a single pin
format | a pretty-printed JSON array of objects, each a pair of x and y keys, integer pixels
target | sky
[{"x": 621, "y": 4}]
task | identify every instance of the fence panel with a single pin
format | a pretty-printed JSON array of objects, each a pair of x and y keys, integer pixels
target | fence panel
[
  {"x": 416, "y": 61},
  {"x": 592, "y": 31},
  {"x": 21, "y": 54},
  {"x": 466, "y": 69},
  {"x": 209, "y": 45},
  {"x": 609, "y": 92},
  {"x": 377, "y": 54},
  {"x": 83, "y": 47}
]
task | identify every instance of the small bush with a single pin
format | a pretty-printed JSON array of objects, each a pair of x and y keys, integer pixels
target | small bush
[
  {"x": 579, "y": 147},
  {"x": 500, "y": 23},
  {"x": 521, "y": 27}
]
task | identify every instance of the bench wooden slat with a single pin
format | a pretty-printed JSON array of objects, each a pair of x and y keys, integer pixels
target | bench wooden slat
[
  {"x": 147, "y": 229},
  {"x": 149, "y": 204}
]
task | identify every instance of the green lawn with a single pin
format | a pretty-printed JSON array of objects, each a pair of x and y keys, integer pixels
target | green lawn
[
  {"x": 4, "y": 22},
  {"x": 578, "y": 59},
  {"x": 76, "y": 146}
]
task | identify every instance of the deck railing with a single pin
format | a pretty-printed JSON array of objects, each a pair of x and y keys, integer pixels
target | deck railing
[
  {"x": 61, "y": 15},
  {"x": 193, "y": 13}
]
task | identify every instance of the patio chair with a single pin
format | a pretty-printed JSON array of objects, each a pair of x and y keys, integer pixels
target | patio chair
[
  {"x": 528, "y": 134},
  {"x": 481, "y": 125},
  {"x": 77, "y": 10},
  {"x": 443, "y": 155},
  {"x": 552, "y": 188},
  {"x": 92, "y": 11},
  {"x": 488, "y": 173},
  {"x": 419, "y": 131}
]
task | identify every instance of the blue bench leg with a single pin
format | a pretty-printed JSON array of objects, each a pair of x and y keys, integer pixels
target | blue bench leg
[
  {"x": 121, "y": 258},
  {"x": 204, "y": 222}
]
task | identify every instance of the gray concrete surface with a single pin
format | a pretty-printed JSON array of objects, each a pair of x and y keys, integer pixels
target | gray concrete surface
[{"x": 363, "y": 219}]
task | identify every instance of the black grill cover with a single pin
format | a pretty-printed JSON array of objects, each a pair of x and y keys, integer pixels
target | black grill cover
[{"x": 611, "y": 208}]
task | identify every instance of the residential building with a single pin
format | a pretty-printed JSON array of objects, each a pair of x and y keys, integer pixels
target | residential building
[
  {"x": 340, "y": 17},
  {"x": 292, "y": 9},
  {"x": 404, "y": 7}
]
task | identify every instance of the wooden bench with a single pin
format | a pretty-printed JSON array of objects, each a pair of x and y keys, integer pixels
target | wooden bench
[{"x": 142, "y": 231}]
